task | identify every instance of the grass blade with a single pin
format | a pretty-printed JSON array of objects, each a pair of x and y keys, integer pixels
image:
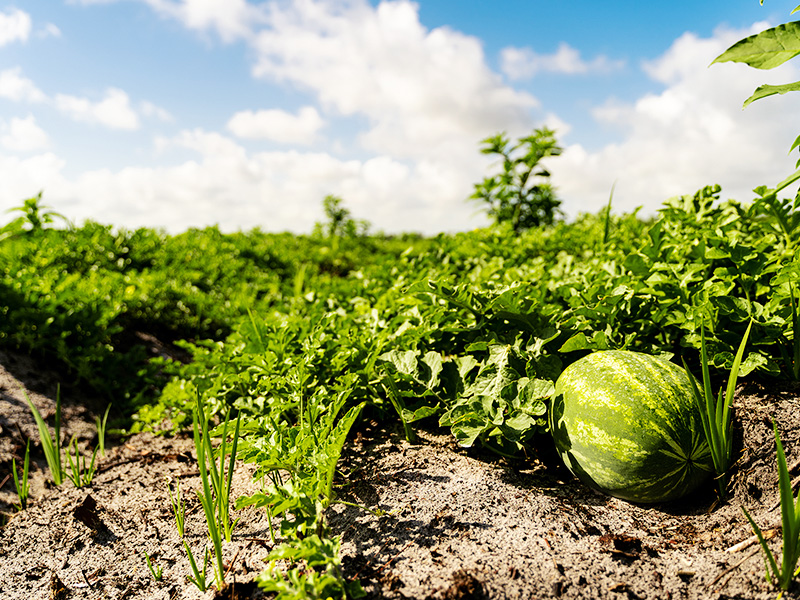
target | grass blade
[{"x": 51, "y": 447}]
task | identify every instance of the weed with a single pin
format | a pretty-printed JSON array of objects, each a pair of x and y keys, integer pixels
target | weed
[
  {"x": 215, "y": 505},
  {"x": 790, "y": 518},
  {"x": 22, "y": 486},
  {"x": 50, "y": 445},
  {"x": 716, "y": 414},
  {"x": 101, "y": 432},
  {"x": 156, "y": 571},
  {"x": 199, "y": 579},
  {"x": 79, "y": 472},
  {"x": 178, "y": 506}
]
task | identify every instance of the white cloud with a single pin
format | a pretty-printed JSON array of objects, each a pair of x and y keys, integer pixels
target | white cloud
[
  {"x": 424, "y": 93},
  {"x": 231, "y": 19},
  {"x": 150, "y": 110},
  {"x": 49, "y": 30},
  {"x": 15, "y": 25},
  {"x": 23, "y": 135},
  {"x": 524, "y": 63},
  {"x": 113, "y": 111},
  {"x": 225, "y": 184},
  {"x": 14, "y": 86},
  {"x": 691, "y": 134},
  {"x": 277, "y": 125}
]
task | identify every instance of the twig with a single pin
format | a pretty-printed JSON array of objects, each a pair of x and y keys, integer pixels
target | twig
[
  {"x": 233, "y": 560},
  {"x": 768, "y": 535},
  {"x": 752, "y": 553}
]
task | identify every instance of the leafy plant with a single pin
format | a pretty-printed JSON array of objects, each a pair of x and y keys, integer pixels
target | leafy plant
[
  {"x": 782, "y": 575},
  {"x": 767, "y": 50},
  {"x": 320, "y": 576},
  {"x": 35, "y": 217},
  {"x": 521, "y": 194},
  {"x": 22, "y": 486},
  {"x": 716, "y": 413},
  {"x": 50, "y": 445}
]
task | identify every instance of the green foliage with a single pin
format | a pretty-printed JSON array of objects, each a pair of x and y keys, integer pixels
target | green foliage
[
  {"x": 80, "y": 473},
  {"x": 35, "y": 216},
  {"x": 50, "y": 445},
  {"x": 101, "y": 431},
  {"x": 767, "y": 50},
  {"x": 215, "y": 495},
  {"x": 300, "y": 335},
  {"x": 716, "y": 413},
  {"x": 178, "y": 507},
  {"x": 319, "y": 577},
  {"x": 339, "y": 222},
  {"x": 521, "y": 194},
  {"x": 21, "y": 485},
  {"x": 156, "y": 571},
  {"x": 782, "y": 575}
]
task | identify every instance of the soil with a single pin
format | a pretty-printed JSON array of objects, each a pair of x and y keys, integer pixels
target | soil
[{"x": 458, "y": 524}]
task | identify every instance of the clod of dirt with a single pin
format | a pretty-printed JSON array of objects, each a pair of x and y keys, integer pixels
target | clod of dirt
[{"x": 465, "y": 586}]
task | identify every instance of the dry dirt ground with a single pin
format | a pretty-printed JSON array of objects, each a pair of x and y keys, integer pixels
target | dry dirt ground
[{"x": 459, "y": 524}]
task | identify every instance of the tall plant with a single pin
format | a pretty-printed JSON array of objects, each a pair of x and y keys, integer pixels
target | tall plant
[{"x": 521, "y": 194}]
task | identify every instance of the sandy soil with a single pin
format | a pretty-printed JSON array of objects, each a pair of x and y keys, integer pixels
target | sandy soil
[{"x": 460, "y": 524}]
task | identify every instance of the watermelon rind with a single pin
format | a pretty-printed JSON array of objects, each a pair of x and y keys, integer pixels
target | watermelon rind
[{"x": 626, "y": 423}]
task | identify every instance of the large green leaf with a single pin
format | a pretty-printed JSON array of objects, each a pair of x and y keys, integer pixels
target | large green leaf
[
  {"x": 770, "y": 90},
  {"x": 765, "y": 50}
]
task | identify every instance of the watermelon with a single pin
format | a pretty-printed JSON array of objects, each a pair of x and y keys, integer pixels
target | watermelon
[{"x": 626, "y": 423}]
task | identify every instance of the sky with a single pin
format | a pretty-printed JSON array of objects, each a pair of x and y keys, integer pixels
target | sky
[{"x": 241, "y": 113}]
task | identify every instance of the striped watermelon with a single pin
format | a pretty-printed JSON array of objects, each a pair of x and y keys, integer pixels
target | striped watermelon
[{"x": 625, "y": 423}]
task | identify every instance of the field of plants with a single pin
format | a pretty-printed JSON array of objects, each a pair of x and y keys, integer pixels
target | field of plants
[
  {"x": 327, "y": 389},
  {"x": 294, "y": 340}
]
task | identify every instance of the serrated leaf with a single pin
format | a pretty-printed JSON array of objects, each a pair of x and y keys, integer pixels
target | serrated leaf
[
  {"x": 420, "y": 413},
  {"x": 434, "y": 362},
  {"x": 765, "y": 50},
  {"x": 404, "y": 361},
  {"x": 579, "y": 341},
  {"x": 770, "y": 90}
]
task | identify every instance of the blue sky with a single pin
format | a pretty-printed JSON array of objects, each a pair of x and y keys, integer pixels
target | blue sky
[{"x": 187, "y": 113}]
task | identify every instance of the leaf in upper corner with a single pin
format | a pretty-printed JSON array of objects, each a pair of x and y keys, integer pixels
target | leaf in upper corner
[
  {"x": 767, "y": 49},
  {"x": 770, "y": 90}
]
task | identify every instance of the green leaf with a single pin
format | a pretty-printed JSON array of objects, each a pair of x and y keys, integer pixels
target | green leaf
[
  {"x": 788, "y": 181},
  {"x": 765, "y": 50},
  {"x": 579, "y": 341},
  {"x": 770, "y": 90},
  {"x": 404, "y": 362}
]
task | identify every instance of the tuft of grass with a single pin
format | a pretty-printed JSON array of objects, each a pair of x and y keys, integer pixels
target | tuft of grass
[
  {"x": 178, "y": 506},
  {"x": 156, "y": 571},
  {"x": 782, "y": 575},
  {"x": 22, "y": 486},
  {"x": 199, "y": 579},
  {"x": 101, "y": 432},
  {"x": 216, "y": 503},
  {"x": 80, "y": 474},
  {"x": 50, "y": 445},
  {"x": 716, "y": 413}
]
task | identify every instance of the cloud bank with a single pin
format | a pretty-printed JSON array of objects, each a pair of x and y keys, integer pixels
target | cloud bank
[{"x": 391, "y": 117}]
